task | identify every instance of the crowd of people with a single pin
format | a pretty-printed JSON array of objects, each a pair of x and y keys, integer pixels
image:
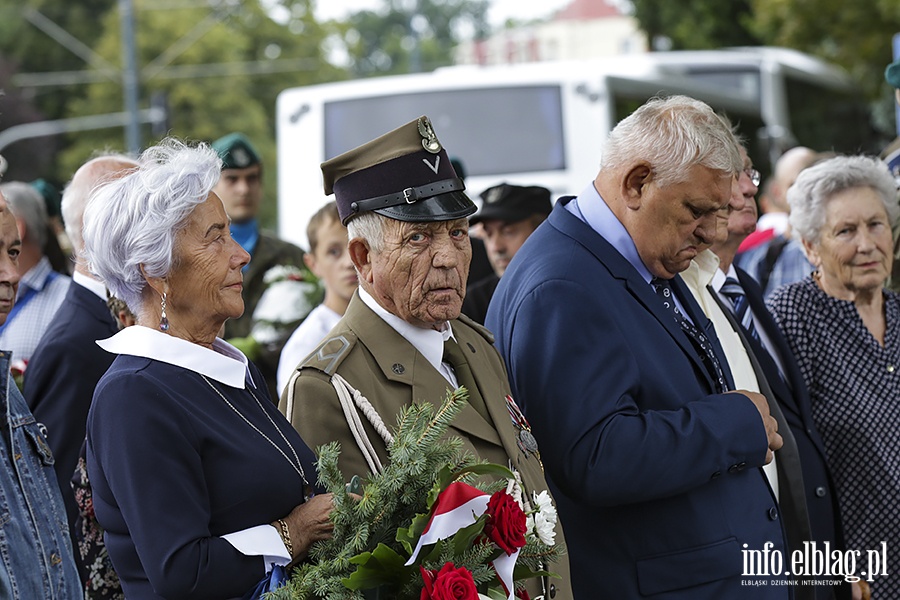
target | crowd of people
[{"x": 698, "y": 387}]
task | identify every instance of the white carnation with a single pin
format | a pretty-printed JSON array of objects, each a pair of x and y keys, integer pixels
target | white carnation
[{"x": 544, "y": 519}]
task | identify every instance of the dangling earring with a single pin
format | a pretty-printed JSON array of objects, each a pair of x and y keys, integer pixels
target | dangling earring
[{"x": 163, "y": 320}]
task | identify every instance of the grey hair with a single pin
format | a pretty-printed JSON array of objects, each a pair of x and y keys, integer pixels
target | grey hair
[
  {"x": 370, "y": 227},
  {"x": 673, "y": 134},
  {"x": 27, "y": 204},
  {"x": 816, "y": 185},
  {"x": 76, "y": 193},
  {"x": 133, "y": 221}
]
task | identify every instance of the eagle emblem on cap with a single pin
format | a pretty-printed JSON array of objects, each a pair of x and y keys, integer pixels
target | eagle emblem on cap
[
  {"x": 240, "y": 156},
  {"x": 495, "y": 194},
  {"x": 429, "y": 137}
]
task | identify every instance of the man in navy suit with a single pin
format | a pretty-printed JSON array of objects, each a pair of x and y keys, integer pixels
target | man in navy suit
[
  {"x": 656, "y": 470},
  {"x": 764, "y": 339},
  {"x": 67, "y": 364}
]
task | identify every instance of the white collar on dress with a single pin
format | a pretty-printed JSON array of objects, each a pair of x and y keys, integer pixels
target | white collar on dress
[
  {"x": 429, "y": 342},
  {"x": 224, "y": 363}
]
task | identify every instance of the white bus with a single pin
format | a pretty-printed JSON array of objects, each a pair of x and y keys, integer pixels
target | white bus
[{"x": 544, "y": 123}]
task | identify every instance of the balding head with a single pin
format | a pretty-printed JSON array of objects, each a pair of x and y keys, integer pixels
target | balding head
[
  {"x": 91, "y": 174},
  {"x": 787, "y": 168}
]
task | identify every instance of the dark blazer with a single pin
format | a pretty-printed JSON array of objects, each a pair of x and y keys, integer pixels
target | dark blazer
[
  {"x": 61, "y": 376},
  {"x": 793, "y": 396},
  {"x": 656, "y": 476}
]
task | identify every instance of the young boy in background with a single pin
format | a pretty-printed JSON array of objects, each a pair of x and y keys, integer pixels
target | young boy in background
[{"x": 329, "y": 260}]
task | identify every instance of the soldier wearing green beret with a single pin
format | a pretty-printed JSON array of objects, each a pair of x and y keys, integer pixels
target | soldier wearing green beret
[
  {"x": 402, "y": 339},
  {"x": 264, "y": 330}
]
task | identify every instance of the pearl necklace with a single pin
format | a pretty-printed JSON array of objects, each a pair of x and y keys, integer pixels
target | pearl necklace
[{"x": 298, "y": 466}]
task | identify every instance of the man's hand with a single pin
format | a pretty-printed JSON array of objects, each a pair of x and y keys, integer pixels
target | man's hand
[{"x": 772, "y": 435}]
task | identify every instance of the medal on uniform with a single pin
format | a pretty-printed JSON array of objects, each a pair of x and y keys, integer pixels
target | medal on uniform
[{"x": 525, "y": 440}]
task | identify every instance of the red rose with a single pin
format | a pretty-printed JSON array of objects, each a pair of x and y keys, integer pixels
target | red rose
[
  {"x": 449, "y": 583},
  {"x": 506, "y": 523}
]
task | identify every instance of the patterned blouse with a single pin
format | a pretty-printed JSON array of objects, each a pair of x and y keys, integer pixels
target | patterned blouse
[{"x": 854, "y": 386}]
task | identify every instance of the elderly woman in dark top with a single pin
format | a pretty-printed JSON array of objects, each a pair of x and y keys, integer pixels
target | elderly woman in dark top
[
  {"x": 844, "y": 328},
  {"x": 198, "y": 481}
]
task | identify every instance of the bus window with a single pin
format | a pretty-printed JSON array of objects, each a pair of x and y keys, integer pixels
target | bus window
[
  {"x": 826, "y": 119},
  {"x": 493, "y": 130}
]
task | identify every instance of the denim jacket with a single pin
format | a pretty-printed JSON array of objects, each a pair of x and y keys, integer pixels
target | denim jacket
[{"x": 35, "y": 548}]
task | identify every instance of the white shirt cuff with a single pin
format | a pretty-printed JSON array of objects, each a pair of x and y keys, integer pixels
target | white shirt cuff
[{"x": 262, "y": 540}]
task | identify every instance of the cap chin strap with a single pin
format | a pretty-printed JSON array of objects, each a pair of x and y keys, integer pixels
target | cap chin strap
[{"x": 408, "y": 196}]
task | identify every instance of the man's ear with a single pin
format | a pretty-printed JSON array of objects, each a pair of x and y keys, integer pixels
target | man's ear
[
  {"x": 633, "y": 184},
  {"x": 361, "y": 255}
]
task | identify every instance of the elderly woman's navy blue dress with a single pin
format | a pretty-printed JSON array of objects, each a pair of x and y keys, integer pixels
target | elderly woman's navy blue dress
[{"x": 178, "y": 459}]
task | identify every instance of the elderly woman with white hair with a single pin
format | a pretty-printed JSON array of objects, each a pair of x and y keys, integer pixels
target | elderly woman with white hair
[
  {"x": 198, "y": 481},
  {"x": 844, "y": 328}
]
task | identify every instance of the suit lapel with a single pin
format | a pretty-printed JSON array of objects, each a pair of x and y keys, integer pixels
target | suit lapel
[
  {"x": 400, "y": 362},
  {"x": 625, "y": 272}
]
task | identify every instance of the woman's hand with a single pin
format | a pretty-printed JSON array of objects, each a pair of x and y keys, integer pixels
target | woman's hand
[{"x": 309, "y": 523}]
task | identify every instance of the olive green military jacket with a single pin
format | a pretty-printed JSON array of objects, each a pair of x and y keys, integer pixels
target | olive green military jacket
[
  {"x": 376, "y": 360},
  {"x": 269, "y": 252}
]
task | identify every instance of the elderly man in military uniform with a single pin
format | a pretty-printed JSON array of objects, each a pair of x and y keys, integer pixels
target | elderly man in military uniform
[{"x": 402, "y": 339}]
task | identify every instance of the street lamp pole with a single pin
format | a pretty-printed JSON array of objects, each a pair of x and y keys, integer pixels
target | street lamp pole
[{"x": 130, "y": 77}]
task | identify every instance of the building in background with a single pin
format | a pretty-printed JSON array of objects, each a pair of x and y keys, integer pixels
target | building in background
[{"x": 583, "y": 29}]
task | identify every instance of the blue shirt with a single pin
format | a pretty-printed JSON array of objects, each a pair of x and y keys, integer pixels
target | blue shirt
[
  {"x": 34, "y": 543},
  {"x": 791, "y": 265}
]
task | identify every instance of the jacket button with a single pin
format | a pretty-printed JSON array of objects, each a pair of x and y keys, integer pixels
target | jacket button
[
  {"x": 716, "y": 475},
  {"x": 773, "y": 514},
  {"x": 734, "y": 469},
  {"x": 821, "y": 491},
  {"x": 552, "y": 590}
]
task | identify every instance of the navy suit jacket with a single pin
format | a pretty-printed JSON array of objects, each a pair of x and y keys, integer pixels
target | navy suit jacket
[
  {"x": 656, "y": 476},
  {"x": 793, "y": 396},
  {"x": 61, "y": 376}
]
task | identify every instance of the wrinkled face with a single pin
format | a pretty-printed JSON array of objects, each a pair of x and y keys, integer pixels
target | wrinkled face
[
  {"x": 420, "y": 274},
  {"x": 742, "y": 220},
  {"x": 331, "y": 261},
  {"x": 503, "y": 239},
  {"x": 241, "y": 192},
  {"x": 10, "y": 247},
  {"x": 670, "y": 225},
  {"x": 854, "y": 251},
  {"x": 205, "y": 282}
]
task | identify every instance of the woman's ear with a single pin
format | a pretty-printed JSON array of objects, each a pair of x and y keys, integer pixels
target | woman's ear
[{"x": 159, "y": 284}]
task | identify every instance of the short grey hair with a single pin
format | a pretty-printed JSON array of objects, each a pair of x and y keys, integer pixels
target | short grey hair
[
  {"x": 673, "y": 134},
  {"x": 370, "y": 227},
  {"x": 78, "y": 190},
  {"x": 27, "y": 204},
  {"x": 134, "y": 220},
  {"x": 815, "y": 186}
]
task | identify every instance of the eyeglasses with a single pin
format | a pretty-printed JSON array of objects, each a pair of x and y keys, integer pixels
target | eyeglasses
[{"x": 754, "y": 176}]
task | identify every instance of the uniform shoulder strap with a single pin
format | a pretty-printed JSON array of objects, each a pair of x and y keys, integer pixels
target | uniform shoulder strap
[{"x": 328, "y": 355}]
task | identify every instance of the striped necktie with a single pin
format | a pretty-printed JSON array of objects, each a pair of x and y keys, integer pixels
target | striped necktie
[{"x": 735, "y": 293}]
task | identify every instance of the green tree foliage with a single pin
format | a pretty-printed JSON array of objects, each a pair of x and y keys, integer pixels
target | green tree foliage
[
  {"x": 697, "y": 24},
  {"x": 856, "y": 35},
  {"x": 220, "y": 64},
  {"x": 410, "y": 35}
]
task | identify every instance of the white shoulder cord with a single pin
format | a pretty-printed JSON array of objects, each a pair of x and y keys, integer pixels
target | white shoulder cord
[{"x": 351, "y": 399}]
